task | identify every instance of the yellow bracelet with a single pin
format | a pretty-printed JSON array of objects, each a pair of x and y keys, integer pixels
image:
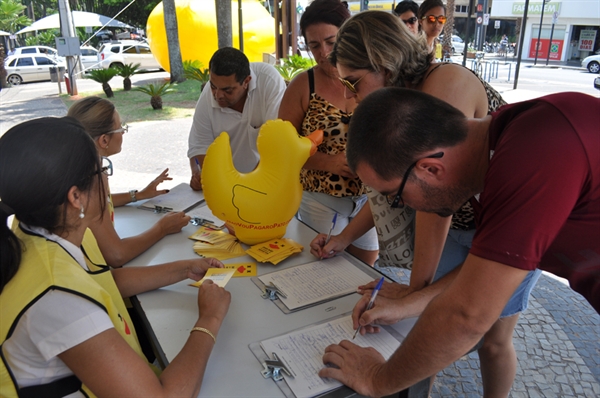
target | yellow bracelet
[{"x": 203, "y": 330}]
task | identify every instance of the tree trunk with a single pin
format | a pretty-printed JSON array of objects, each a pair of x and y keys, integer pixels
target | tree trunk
[
  {"x": 107, "y": 90},
  {"x": 223, "y": 8},
  {"x": 175, "y": 61},
  {"x": 448, "y": 29},
  {"x": 156, "y": 102},
  {"x": 3, "y": 83},
  {"x": 127, "y": 84}
]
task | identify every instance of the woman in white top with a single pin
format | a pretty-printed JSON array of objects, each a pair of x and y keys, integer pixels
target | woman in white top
[{"x": 64, "y": 329}]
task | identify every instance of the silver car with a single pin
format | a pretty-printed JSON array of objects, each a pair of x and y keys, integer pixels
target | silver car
[{"x": 28, "y": 68}]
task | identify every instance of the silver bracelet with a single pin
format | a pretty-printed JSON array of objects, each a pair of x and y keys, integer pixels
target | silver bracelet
[{"x": 132, "y": 194}]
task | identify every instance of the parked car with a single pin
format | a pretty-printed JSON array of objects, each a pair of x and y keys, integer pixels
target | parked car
[
  {"x": 458, "y": 45},
  {"x": 89, "y": 58},
  {"x": 592, "y": 63},
  {"x": 118, "y": 53},
  {"x": 28, "y": 68},
  {"x": 45, "y": 50}
]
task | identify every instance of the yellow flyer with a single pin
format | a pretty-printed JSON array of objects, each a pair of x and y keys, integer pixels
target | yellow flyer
[{"x": 220, "y": 276}]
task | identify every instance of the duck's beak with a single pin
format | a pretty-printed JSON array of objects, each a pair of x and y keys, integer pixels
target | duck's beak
[{"x": 316, "y": 137}]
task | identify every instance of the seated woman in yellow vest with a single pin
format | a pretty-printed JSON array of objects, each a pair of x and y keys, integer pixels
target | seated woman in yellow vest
[
  {"x": 103, "y": 123},
  {"x": 65, "y": 329}
]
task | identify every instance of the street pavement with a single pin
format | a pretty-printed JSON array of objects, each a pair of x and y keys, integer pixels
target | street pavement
[{"x": 557, "y": 339}]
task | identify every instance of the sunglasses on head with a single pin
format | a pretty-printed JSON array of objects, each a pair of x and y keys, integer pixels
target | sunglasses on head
[
  {"x": 432, "y": 18},
  {"x": 410, "y": 21}
]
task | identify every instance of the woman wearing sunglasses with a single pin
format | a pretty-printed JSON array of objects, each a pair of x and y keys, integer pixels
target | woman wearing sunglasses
[
  {"x": 65, "y": 330},
  {"x": 407, "y": 11},
  {"x": 374, "y": 50},
  {"x": 315, "y": 100},
  {"x": 432, "y": 18},
  {"x": 103, "y": 123}
]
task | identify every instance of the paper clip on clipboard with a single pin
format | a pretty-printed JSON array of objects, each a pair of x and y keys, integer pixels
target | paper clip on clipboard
[
  {"x": 273, "y": 368},
  {"x": 271, "y": 291}
]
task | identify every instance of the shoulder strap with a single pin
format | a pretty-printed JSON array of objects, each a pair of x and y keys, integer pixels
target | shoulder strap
[
  {"x": 311, "y": 81},
  {"x": 431, "y": 71}
]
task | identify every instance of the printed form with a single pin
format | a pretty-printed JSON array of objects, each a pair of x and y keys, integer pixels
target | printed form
[
  {"x": 317, "y": 281},
  {"x": 302, "y": 351}
]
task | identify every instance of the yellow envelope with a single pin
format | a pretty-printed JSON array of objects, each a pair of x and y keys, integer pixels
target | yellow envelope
[{"x": 220, "y": 276}]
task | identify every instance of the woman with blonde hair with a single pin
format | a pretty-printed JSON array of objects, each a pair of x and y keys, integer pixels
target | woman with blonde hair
[
  {"x": 374, "y": 50},
  {"x": 102, "y": 122}
]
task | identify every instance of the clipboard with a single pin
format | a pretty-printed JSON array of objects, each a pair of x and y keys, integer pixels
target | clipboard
[
  {"x": 339, "y": 392},
  {"x": 179, "y": 198},
  {"x": 273, "y": 292}
]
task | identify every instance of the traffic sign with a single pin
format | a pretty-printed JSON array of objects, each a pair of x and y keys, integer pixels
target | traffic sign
[
  {"x": 486, "y": 19},
  {"x": 555, "y": 17},
  {"x": 496, "y": 24},
  {"x": 479, "y": 20}
]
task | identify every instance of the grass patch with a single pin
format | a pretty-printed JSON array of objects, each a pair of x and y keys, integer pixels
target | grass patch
[{"x": 134, "y": 106}]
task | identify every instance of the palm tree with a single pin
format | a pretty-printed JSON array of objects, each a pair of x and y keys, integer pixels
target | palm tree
[
  {"x": 126, "y": 71},
  {"x": 448, "y": 29},
  {"x": 103, "y": 76},
  {"x": 156, "y": 92},
  {"x": 193, "y": 70},
  {"x": 11, "y": 15}
]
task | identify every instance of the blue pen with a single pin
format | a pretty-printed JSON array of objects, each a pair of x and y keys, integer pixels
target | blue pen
[
  {"x": 330, "y": 231},
  {"x": 371, "y": 302},
  {"x": 198, "y": 165}
]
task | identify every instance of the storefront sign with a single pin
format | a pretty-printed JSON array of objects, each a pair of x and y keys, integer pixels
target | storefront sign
[
  {"x": 536, "y": 8},
  {"x": 556, "y": 49},
  {"x": 587, "y": 38}
]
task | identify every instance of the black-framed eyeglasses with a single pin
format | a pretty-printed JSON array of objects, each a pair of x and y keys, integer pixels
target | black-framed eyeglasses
[
  {"x": 123, "y": 129},
  {"x": 395, "y": 201},
  {"x": 410, "y": 21},
  {"x": 352, "y": 86}
]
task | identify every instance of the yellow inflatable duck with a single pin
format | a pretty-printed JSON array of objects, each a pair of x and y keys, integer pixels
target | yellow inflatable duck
[{"x": 261, "y": 203}]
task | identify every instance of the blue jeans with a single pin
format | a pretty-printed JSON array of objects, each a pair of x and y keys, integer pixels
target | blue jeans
[{"x": 456, "y": 249}]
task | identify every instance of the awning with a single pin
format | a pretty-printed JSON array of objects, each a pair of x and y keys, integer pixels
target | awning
[
  {"x": 80, "y": 19},
  {"x": 3, "y": 33}
]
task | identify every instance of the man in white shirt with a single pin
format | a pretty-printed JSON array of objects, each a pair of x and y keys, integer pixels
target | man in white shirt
[{"x": 239, "y": 98}]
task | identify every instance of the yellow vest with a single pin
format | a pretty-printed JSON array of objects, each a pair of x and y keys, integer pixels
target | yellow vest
[{"x": 45, "y": 266}]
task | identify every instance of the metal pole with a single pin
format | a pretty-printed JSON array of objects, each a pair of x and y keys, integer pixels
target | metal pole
[
  {"x": 550, "y": 45},
  {"x": 241, "y": 28},
  {"x": 67, "y": 30},
  {"x": 537, "y": 45},
  {"x": 469, "y": 13},
  {"x": 521, "y": 40}
]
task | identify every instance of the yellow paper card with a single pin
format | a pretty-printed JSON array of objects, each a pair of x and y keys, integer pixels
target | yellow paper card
[
  {"x": 220, "y": 276},
  {"x": 242, "y": 269}
]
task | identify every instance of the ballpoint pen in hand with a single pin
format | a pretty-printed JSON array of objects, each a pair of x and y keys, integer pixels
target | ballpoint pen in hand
[
  {"x": 371, "y": 302},
  {"x": 330, "y": 231},
  {"x": 198, "y": 166}
]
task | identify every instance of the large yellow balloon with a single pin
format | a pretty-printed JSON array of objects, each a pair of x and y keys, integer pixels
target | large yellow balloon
[
  {"x": 261, "y": 203},
  {"x": 197, "y": 28}
]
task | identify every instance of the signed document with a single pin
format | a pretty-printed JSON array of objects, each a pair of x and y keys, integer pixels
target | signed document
[
  {"x": 316, "y": 282},
  {"x": 302, "y": 351}
]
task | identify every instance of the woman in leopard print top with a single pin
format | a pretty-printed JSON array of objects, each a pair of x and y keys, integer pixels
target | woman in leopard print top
[{"x": 315, "y": 100}]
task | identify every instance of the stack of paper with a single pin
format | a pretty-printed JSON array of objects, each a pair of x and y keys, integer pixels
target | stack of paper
[
  {"x": 216, "y": 243},
  {"x": 274, "y": 251}
]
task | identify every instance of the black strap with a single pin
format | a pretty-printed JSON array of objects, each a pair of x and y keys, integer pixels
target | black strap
[
  {"x": 311, "y": 81},
  {"x": 58, "y": 388}
]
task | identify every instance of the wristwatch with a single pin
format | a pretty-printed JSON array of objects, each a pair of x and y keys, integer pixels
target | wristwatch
[{"x": 132, "y": 194}]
